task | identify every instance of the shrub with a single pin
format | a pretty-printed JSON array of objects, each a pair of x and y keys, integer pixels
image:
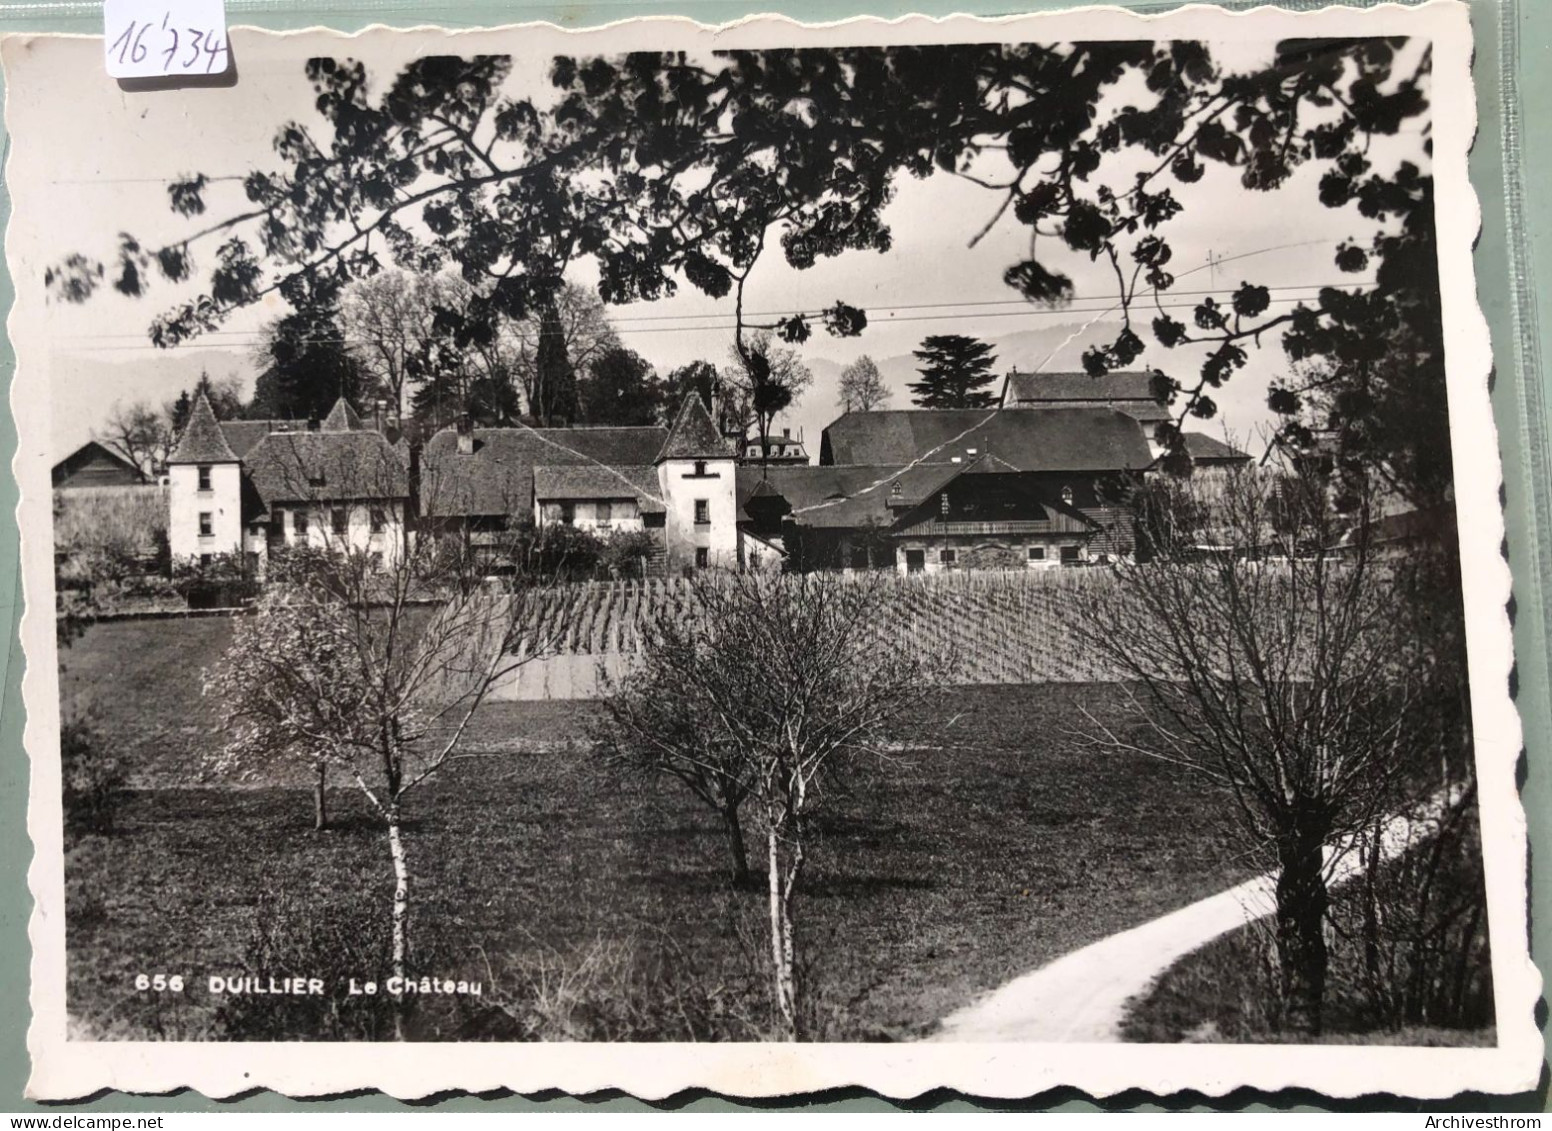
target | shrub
[
  {"x": 92, "y": 779},
  {"x": 347, "y": 938}
]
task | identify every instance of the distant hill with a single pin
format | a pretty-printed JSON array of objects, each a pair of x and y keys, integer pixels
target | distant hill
[{"x": 86, "y": 385}]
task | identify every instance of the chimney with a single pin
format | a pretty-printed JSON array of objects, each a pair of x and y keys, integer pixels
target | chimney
[
  {"x": 465, "y": 435},
  {"x": 786, "y": 433}
]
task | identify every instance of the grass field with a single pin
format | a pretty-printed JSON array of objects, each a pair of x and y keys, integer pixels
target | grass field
[{"x": 983, "y": 847}]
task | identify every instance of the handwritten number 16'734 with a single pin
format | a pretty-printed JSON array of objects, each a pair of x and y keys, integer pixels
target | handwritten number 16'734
[{"x": 181, "y": 49}]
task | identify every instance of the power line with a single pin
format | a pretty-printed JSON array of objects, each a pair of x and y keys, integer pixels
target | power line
[{"x": 252, "y": 337}]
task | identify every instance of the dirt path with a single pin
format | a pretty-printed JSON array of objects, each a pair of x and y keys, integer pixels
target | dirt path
[{"x": 1082, "y": 996}]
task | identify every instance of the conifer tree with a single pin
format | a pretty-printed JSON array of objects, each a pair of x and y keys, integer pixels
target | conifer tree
[{"x": 955, "y": 372}]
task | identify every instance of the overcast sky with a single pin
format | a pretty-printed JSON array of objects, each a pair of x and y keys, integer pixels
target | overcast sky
[{"x": 110, "y": 153}]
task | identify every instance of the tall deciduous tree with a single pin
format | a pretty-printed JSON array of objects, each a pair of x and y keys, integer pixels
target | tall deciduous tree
[
  {"x": 1284, "y": 671},
  {"x": 140, "y": 434},
  {"x": 955, "y": 373},
  {"x": 621, "y": 388},
  {"x": 762, "y": 380},
  {"x": 392, "y": 330},
  {"x": 862, "y": 388}
]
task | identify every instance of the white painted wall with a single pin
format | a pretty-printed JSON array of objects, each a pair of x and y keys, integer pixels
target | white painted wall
[
  {"x": 681, "y": 487},
  {"x": 358, "y": 536},
  {"x": 186, "y": 502},
  {"x": 623, "y": 514}
]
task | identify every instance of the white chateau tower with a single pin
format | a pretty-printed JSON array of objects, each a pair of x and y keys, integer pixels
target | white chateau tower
[
  {"x": 204, "y": 481},
  {"x": 698, "y": 474}
]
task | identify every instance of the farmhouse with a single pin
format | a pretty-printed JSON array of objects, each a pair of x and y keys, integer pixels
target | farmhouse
[
  {"x": 251, "y": 487},
  {"x": 919, "y": 490},
  {"x": 925, "y": 490}
]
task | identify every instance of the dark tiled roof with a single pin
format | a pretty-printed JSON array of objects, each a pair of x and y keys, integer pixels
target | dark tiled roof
[
  {"x": 497, "y": 478},
  {"x": 827, "y": 495},
  {"x": 591, "y": 481},
  {"x": 112, "y": 466},
  {"x": 327, "y": 466},
  {"x": 202, "y": 440},
  {"x": 342, "y": 418},
  {"x": 1056, "y": 439},
  {"x": 1078, "y": 387},
  {"x": 1206, "y": 449},
  {"x": 693, "y": 435},
  {"x": 243, "y": 434}
]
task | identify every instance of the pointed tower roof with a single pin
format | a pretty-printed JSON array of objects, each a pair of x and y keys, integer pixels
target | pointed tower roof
[
  {"x": 692, "y": 434},
  {"x": 202, "y": 440},
  {"x": 341, "y": 418}
]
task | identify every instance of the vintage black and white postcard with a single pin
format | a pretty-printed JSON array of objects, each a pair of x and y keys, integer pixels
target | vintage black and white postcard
[{"x": 910, "y": 554}]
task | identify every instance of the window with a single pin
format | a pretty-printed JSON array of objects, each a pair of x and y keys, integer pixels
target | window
[
  {"x": 604, "y": 512},
  {"x": 379, "y": 520},
  {"x": 700, "y": 467},
  {"x": 206, "y": 524},
  {"x": 205, "y": 560},
  {"x": 299, "y": 522},
  {"x": 317, "y": 481},
  {"x": 702, "y": 557},
  {"x": 204, "y": 477},
  {"x": 568, "y": 513},
  {"x": 1070, "y": 555},
  {"x": 702, "y": 512},
  {"x": 257, "y": 529},
  {"x": 947, "y": 557},
  {"x": 377, "y": 560},
  {"x": 1037, "y": 553},
  {"x": 1067, "y": 495},
  {"x": 339, "y": 520}
]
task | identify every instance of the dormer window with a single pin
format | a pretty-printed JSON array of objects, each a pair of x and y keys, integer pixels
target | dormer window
[
  {"x": 204, "y": 477},
  {"x": 316, "y": 481},
  {"x": 1067, "y": 495}
]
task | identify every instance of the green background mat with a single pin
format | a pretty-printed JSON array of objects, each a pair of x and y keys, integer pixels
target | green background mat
[{"x": 1513, "y": 69}]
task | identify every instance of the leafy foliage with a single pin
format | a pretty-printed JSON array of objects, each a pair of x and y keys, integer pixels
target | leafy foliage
[{"x": 955, "y": 373}]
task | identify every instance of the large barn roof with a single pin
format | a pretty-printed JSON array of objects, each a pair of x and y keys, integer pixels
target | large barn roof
[
  {"x": 1036, "y": 387},
  {"x": 1056, "y": 439},
  {"x": 497, "y": 477}
]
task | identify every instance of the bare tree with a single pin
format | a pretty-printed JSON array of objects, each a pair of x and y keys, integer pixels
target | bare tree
[
  {"x": 767, "y": 682},
  {"x": 1267, "y": 639},
  {"x": 762, "y": 380},
  {"x": 584, "y": 331},
  {"x": 140, "y": 434},
  {"x": 862, "y": 388},
  {"x": 372, "y": 665},
  {"x": 390, "y": 325}
]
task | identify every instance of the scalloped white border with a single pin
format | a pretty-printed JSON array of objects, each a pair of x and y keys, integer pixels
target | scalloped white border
[{"x": 67, "y": 1069}]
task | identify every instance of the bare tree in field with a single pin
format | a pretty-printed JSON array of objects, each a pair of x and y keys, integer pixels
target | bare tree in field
[
  {"x": 862, "y": 387},
  {"x": 373, "y": 666},
  {"x": 1269, "y": 638},
  {"x": 767, "y": 683}
]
